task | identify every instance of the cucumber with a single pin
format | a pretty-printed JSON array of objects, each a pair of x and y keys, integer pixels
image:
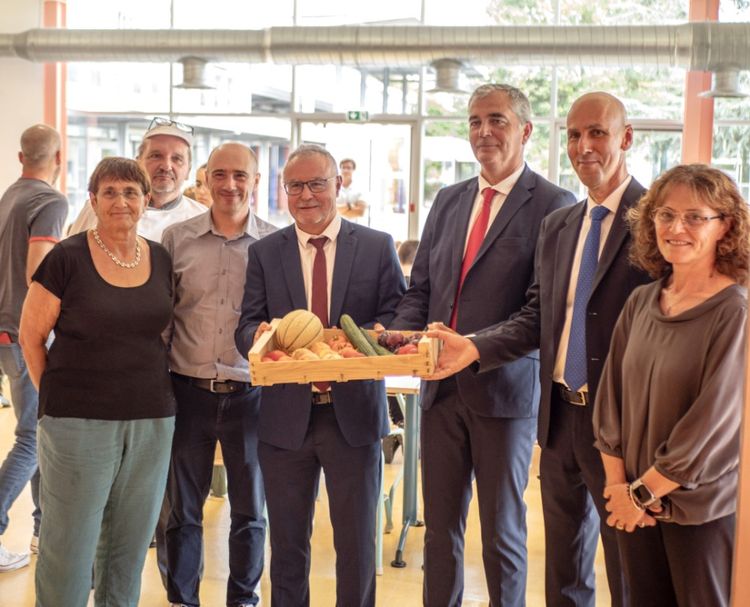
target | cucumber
[
  {"x": 379, "y": 350},
  {"x": 355, "y": 336}
]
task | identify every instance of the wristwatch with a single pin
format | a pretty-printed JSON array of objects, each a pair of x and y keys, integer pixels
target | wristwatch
[{"x": 641, "y": 495}]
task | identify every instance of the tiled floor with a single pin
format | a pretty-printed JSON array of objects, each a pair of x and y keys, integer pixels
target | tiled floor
[{"x": 396, "y": 587}]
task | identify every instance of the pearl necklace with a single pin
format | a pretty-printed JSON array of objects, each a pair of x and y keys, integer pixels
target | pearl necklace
[{"x": 113, "y": 257}]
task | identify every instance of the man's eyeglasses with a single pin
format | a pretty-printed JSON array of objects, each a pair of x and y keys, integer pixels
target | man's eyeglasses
[
  {"x": 316, "y": 186},
  {"x": 691, "y": 219},
  {"x": 167, "y": 122}
]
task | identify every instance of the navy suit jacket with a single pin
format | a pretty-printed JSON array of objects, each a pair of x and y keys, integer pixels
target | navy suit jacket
[
  {"x": 540, "y": 323},
  {"x": 494, "y": 288},
  {"x": 367, "y": 285}
]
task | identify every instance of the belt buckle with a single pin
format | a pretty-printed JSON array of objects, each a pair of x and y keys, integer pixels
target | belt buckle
[
  {"x": 581, "y": 398},
  {"x": 212, "y": 387},
  {"x": 322, "y": 398}
]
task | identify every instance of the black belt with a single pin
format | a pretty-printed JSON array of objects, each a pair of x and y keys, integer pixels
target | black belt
[
  {"x": 322, "y": 398},
  {"x": 579, "y": 399},
  {"x": 215, "y": 386}
]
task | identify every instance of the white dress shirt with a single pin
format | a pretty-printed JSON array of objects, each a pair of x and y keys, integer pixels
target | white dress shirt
[
  {"x": 307, "y": 257},
  {"x": 502, "y": 188},
  {"x": 612, "y": 202}
]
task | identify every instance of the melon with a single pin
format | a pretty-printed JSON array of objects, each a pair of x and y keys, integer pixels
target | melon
[{"x": 298, "y": 329}]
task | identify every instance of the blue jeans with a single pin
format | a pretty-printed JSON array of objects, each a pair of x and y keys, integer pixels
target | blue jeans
[
  {"x": 202, "y": 419},
  {"x": 20, "y": 464},
  {"x": 102, "y": 486}
]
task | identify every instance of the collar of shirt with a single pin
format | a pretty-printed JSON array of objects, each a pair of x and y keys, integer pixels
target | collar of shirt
[
  {"x": 506, "y": 185},
  {"x": 331, "y": 231},
  {"x": 612, "y": 201},
  {"x": 167, "y": 206},
  {"x": 205, "y": 224}
]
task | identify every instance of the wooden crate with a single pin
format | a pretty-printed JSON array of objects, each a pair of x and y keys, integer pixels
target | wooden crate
[{"x": 345, "y": 369}]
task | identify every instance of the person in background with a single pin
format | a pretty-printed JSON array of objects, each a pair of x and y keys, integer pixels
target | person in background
[
  {"x": 165, "y": 154},
  {"x": 349, "y": 201},
  {"x": 669, "y": 407},
  {"x": 330, "y": 266},
  {"x": 472, "y": 269},
  {"x": 32, "y": 215},
  {"x": 105, "y": 400},
  {"x": 211, "y": 381},
  {"x": 201, "y": 187},
  {"x": 407, "y": 251}
]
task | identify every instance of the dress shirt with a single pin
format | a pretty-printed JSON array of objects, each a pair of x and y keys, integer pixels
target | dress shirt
[
  {"x": 209, "y": 272},
  {"x": 307, "y": 257},
  {"x": 612, "y": 202},
  {"x": 503, "y": 188}
]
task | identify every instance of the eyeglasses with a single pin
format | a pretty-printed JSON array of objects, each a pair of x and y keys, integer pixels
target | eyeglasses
[
  {"x": 129, "y": 194},
  {"x": 167, "y": 122},
  {"x": 691, "y": 219},
  {"x": 316, "y": 186}
]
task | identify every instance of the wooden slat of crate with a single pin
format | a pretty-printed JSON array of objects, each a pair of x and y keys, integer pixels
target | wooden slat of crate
[{"x": 346, "y": 369}]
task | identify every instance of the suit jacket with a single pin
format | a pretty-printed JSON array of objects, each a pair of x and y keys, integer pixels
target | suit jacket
[
  {"x": 493, "y": 289},
  {"x": 367, "y": 285},
  {"x": 540, "y": 322}
]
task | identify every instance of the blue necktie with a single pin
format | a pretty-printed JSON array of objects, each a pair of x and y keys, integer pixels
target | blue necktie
[{"x": 575, "y": 361}]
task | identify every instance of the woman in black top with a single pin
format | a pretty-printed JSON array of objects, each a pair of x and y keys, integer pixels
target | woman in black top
[{"x": 105, "y": 402}]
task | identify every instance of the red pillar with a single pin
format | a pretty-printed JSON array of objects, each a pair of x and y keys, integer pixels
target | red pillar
[
  {"x": 55, "y": 74},
  {"x": 698, "y": 120}
]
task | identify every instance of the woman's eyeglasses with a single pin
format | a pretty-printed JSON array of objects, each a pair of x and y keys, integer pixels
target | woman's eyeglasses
[{"x": 691, "y": 219}]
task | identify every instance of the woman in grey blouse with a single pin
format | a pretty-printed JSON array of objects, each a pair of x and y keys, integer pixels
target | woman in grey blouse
[{"x": 668, "y": 410}]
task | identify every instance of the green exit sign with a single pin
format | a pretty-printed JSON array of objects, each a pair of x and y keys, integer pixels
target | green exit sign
[{"x": 357, "y": 116}]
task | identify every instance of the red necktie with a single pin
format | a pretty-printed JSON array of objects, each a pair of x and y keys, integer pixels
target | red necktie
[
  {"x": 319, "y": 300},
  {"x": 476, "y": 237}
]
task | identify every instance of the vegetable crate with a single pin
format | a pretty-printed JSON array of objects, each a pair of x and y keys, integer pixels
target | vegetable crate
[{"x": 269, "y": 373}]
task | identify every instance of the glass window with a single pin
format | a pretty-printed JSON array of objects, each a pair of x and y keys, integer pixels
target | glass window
[
  {"x": 653, "y": 152},
  {"x": 381, "y": 153},
  {"x": 731, "y": 153}
]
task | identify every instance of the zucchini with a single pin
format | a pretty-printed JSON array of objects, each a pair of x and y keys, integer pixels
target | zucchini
[
  {"x": 355, "y": 336},
  {"x": 379, "y": 350}
]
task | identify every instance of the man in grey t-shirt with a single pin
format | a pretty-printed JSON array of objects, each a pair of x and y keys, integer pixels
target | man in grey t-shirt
[{"x": 32, "y": 214}]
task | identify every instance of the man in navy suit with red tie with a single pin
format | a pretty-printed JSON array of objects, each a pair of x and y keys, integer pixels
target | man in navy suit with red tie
[
  {"x": 473, "y": 266},
  {"x": 330, "y": 266}
]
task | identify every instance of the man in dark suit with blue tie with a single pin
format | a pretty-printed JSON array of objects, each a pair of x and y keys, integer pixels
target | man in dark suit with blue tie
[
  {"x": 472, "y": 269},
  {"x": 330, "y": 266},
  {"x": 582, "y": 278}
]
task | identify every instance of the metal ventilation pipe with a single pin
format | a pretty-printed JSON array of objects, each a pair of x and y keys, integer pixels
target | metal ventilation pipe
[
  {"x": 695, "y": 46},
  {"x": 447, "y": 74},
  {"x": 193, "y": 74}
]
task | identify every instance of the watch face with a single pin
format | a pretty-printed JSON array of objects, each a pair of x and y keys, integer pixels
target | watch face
[{"x": 643, "y": 494}]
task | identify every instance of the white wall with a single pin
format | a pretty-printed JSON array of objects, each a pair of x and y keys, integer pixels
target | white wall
[{"x": 22, "y": 89}]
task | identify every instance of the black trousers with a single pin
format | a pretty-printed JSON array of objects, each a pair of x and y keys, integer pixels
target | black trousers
[
  {"x": 352, "y": 477},
  {"x": 673, "y": 565},
  {"x": 202, "y": 419},
  {"x": 572, "y": 482}
]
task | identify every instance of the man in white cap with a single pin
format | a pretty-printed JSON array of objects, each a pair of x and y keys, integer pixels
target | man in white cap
[{"x": 165, "y": 155}]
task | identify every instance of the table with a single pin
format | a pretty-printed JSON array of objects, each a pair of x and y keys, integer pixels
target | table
[{"x": 406, "y": 389}]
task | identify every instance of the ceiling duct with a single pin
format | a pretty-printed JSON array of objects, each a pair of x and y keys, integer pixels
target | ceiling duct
[
  {"x": 194, "y": 74},
  {"x": 725, "y": 83},
  {"x": 702, "y": 46},
  {"x": 447, "y": 75}
]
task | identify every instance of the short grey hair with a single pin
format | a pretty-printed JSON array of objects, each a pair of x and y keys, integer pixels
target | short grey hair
[
  {"x": 310, "y": 149},
  {"x": 39, "y": 143},
  {"x": 518, "y": 101}
]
